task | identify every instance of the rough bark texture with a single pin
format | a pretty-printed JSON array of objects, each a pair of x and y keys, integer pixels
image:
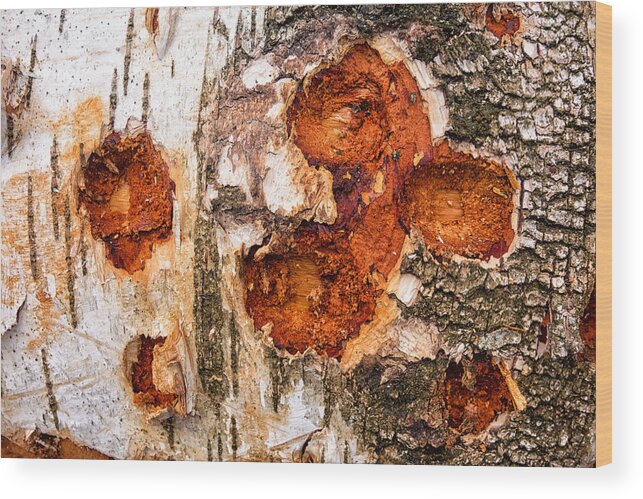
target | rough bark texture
[{"x": 469, "y": 357}]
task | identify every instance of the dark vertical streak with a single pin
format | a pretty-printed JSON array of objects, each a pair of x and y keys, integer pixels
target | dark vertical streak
[
  {"x": 113, "y": 101},
  {"x": 32, "y": 66},
  {"x": 53, "y": 404},
  {"x": 70, "y": 269},
  {"x": 521, "y": 215},
  {"x": 168, "y": 426},
  {"x": 198, "y": 133},
  {"x": 55, "y": 174},
  {"x": 172, "y": 69},
  {"x": 146, "y": 98},
  {"x": 235, "y": 437},
  {"x": 276, "y": 378},
  {"x": 61, "y": 25},
  {"x": 253, "y": 25},
  {"x": 234, "y": 356},
  {"x": 208, "y": 313},
  {"x": 209, "y": 449},
  {"x": 10, "y": 134},
  {"x": 81, "y": 154},
  {"x": 329, "y": 393},
  {"x": 238, "y": 37},
  {"x": 83, "y": 248},
  {"x": 364, "y": 420},
  {"x": 128, "y": 50},
  {"x": 219, "y": 447},
  {"x": 33, "y": 256}
]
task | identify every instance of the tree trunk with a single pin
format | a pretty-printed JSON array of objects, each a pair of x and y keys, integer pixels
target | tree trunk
[{"x": 329, "y": 234}]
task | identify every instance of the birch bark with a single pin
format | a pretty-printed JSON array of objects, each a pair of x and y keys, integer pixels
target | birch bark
[{"x": 212, "y": 87}]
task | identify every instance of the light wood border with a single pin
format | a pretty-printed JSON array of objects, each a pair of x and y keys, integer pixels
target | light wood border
[{"x": 603, "y": 234}]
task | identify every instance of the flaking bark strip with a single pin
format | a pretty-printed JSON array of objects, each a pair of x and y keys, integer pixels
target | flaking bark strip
[
  {"x": 219, "y": 448},
  {"x": 146, "y": 98},
  {"x": 234, "y": 355},
  {"x": 71, "y": 275},
  {"x": 113, "y": 100},
  {"x": 208, "y": 308},
  {"x": 55, "y": 175},
  {"x": 33, "y": 253},
  {"x": 83, "y": 247},
  {"x": 51, "y": 397},
  {"x": 11, "y": 134},
  {"x": 129, "y": 39},
  {"x": 208, "y": 312},
  {"x": 209, "y": 450},
  {"x": 218, "y": 26},
  {"x": 169, "y": 427},
  {"x": 329, "y": 385},
  {"x": 253, "y": 24},
  {"x": 239, "y": 54},
  {"x": 81, "y": 156},
  {"x": 521, "y": 206},
  {"x": 234, "y": 435},
  {"x": 32, "y": 66},
  {"x": 197, "y": 136},
  {"x": 588, "y": 329},
  {"x": 277, "y": 377}
]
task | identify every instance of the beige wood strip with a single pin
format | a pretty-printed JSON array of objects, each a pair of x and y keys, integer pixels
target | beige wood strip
[{"x": 603, "y": 234}]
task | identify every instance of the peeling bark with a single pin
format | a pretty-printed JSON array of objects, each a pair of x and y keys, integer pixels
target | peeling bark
[{"x": 320, "y": 234}]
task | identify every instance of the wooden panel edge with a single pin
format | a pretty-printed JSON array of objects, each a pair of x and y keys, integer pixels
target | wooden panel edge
[{"x": 603, "y": 234}]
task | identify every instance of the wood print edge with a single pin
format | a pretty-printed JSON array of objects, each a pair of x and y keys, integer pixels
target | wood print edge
[{"x": 603, "y": 234}]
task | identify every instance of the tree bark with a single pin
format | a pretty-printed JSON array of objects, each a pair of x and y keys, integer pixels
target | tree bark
[{"x": 142, "y": 346}]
